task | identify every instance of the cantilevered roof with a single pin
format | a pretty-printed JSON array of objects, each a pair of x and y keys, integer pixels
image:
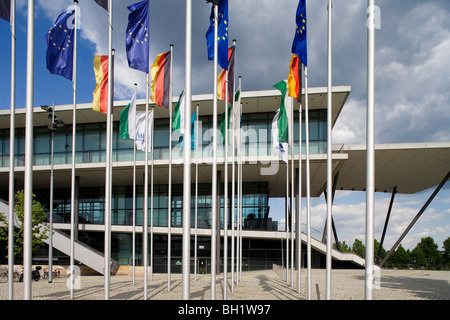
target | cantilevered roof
[
  {"x": 411, "y": 167},
  {"x": 252, "y": 102}
]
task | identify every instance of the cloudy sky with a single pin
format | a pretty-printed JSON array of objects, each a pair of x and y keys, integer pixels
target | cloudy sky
[{"x": 412, "y": 76}]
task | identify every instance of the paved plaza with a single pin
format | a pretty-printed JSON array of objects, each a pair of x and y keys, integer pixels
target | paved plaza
[{"x": 255, "y": 285}]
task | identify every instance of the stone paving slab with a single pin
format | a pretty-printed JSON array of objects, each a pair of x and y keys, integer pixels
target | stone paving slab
[{"x": 255, "y": 285}]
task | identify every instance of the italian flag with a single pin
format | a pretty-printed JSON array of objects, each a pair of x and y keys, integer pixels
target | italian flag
[{"x": 127, "y": 128}]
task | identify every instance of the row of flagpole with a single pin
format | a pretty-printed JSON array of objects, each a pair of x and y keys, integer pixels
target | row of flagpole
[{"x": 187, "y": 162}]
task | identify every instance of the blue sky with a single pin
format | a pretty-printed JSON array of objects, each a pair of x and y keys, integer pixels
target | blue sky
[{"x": 412, "y": 77}]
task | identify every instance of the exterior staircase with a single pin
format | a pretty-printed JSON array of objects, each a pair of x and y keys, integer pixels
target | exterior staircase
[{"x": 61, "y": 241}]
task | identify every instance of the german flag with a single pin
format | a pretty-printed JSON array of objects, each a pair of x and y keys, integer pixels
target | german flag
[
  {"x": 221, "y": 85},
  {"x": 100, "y": 103},
  {"x": 221, "y": 81},
  {"x": 295, "y": 78},
  {"x": 160, "y": 86}
]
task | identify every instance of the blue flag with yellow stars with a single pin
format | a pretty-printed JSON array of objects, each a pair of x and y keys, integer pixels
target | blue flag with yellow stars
[
  {"x": 222, "y": 41},
  {"x": 136, "y": 40},
  {"x": 59, "y": 41},
  {"x": 299, "y": 46}
]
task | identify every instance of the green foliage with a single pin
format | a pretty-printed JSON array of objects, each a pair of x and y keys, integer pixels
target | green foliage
[{"x": 39, "y": 231}]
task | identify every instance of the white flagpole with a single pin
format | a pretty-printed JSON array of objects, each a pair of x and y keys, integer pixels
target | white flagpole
[
  {"x": 12, "y": 133},
  {"x": 133, "y": 245},
  {"x": 145, "y": 211},
  {"x": 225, "y": 195},
  {"x": 196, "y": 198},
  {"x": 308, "y": 190},
  {"x": 108, "y": 174},
  {"x": 233, "y": 179},
  {"x": 370, "y": 175},
  {"x": 299, "y": 205},
  {"x": 214, "y": 165},
  {"x": 329, "y": 157},
  {"x": 186, "y": 265},
  {"x": 28, "y": 189},
  {"x": 233, "y": 182},
  {"x": 74, "y": 130},
  {"x": 151, "y": 195},
  {"x": 169, "y": 200},
  {"x": 291, "y": 126},
  {"x": 286, "y": 212},
  {"x": 240, "y": 211},
  {"x": 145, "y": 218},
  {"x": 240, "y": 190}
]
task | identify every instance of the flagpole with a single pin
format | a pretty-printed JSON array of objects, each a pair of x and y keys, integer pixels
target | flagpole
[
  {"x": 370, "y": 175},
  {"x": 291, "y": 125},
  {"x": 287, "y": 216},
  {"x": 151, "y": 195},
  {"x": 308, "y": 189},
  {"x": 329, "y": 157},
  {"x": 299, "y": 205},
  {"x": 28, "y": 189},
  {"x": 196, "y": 197},
  {"x": 233, "y": 182},
  {"x": 134, "y": 198},
  {"x": 169, "y": 205},
  {"x": 225, "y": 200},
  {"x": 12, "y": 133},
  {"x": 214, "y": 165},
  {"x": 187, "y": 158},
  {"x": 108, "y": 173},
  {"x": 239, "y": 272},
  {"x": 73, "y": 178},
  {"x": 145, "y": 218}
]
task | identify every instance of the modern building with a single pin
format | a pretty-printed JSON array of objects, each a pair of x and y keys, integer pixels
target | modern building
[{"x": 264, "y": 177}]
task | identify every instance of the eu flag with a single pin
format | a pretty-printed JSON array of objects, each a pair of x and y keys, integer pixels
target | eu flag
[
  {"x": 59, "y": 41},
  {"x": 222, "y": 41},
  {"x": 136, "y": 39},
  {"x": 299, "y": 46}
]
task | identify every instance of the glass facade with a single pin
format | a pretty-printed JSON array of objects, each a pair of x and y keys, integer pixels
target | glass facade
[
  {"x": 91, "y": 140},
  {"x": 92, "y": 206},
  {"x": 90, "y": 148}
]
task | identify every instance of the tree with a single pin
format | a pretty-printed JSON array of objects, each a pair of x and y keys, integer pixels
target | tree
[
  {"x": 447, "y": 250},
  {"x": 431, "y": 254},
  {"x": 400, "y": 257},
  {"x": 39, "y": 232},
  {"x": 359, "y": 248},
  {"x": 343, "y": 247}
]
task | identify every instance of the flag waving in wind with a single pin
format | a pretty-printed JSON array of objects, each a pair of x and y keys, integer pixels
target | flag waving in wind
[
  {"x": 136, "y": 40},
  {"x": 295, "y": 78},
  {"x": 178, "y": 117},
  {"x": 283, "y": 122},
  {"x": 5, "y": 9},
  {"x": 127, "y": 128},
  {"x": 60, "y": 41},
  {"x": 299, "y": 46},
  {"x": 100, "y": 102},
  {"x": 222, "y": 45},
  {"x": 161, "y": 80},
  {"x": 103, "y": 4}
]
